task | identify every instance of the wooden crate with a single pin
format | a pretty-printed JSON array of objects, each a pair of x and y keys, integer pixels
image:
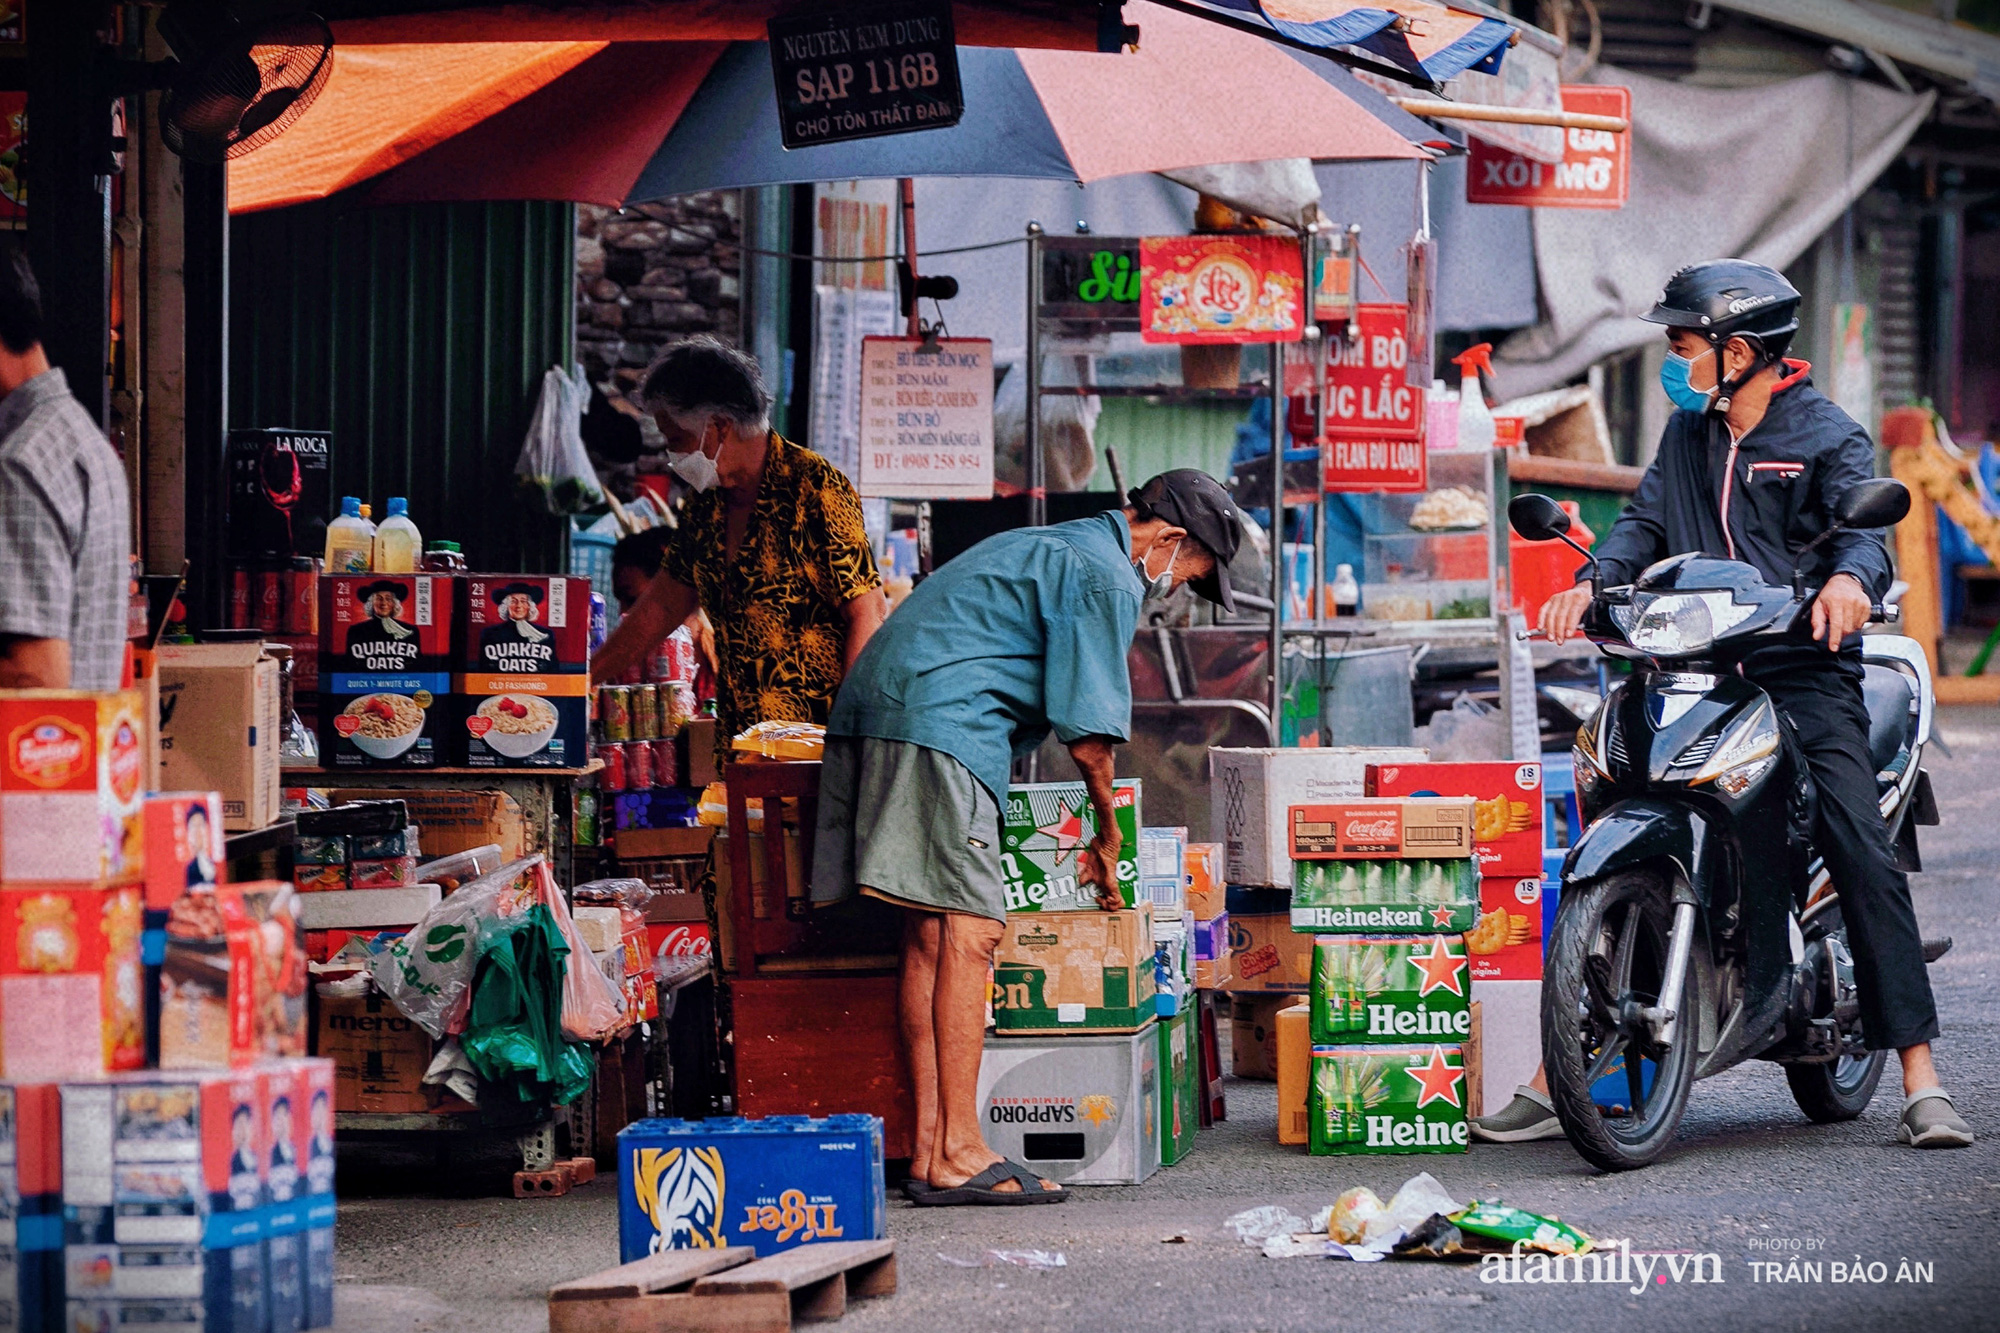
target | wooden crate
[{"x": 715, "y": 1290}]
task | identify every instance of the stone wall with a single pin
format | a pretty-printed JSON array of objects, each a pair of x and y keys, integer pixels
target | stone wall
[{"x": 651, "y": 273}]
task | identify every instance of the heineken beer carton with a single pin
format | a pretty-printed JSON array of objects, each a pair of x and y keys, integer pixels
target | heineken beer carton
[
  {"x": 1180, "y": 1092},
  {"x": 1390, "y": 988},
  {"x": 1074, "y": 972},
  {"x": 1387, "y": 1099},
  {"x": 1364, "y": 897},
  {"x": 1044, "y": 831}
]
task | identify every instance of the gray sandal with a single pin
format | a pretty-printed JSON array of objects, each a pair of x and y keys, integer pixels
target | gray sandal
[
  {"x": 980, "y": 1189},
  {"x": 1930, "y": 1120}
]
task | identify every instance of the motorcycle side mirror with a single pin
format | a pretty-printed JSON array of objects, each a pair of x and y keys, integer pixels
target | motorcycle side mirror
[
  {"x": 1879, "y": 502},
  {"x": 1537, "y": 518}
]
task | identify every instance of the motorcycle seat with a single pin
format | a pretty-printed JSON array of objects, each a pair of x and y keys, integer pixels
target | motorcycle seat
[{"x": 1891, "y": 722}]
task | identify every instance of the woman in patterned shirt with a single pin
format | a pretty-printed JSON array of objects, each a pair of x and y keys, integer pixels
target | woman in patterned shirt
[{"x": 770, "y": 545}]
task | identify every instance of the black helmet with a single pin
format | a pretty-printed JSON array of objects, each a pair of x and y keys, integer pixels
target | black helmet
[{"x": 1722, "y": 299}]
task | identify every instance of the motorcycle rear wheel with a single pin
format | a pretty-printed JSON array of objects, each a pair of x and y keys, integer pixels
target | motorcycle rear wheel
[{"x": 1609, "y": 950}]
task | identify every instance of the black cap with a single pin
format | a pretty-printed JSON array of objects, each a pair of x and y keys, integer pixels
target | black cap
[
  {"x": 1191, "y": 499},
  {"x": 1727, "y": 298},
  {"x": 400, "y": 590},
  {"x": 506, "y": 590}
]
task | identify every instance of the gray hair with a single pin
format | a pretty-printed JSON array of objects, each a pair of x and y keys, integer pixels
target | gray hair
[{"x": 701, "y": 378}]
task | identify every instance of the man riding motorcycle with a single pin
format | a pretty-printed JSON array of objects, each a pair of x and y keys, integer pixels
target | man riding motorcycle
[{"x": 1750, "y": 467}]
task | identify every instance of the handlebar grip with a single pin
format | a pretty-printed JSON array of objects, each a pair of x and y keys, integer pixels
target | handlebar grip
[{"x": 1879, "y": 614}]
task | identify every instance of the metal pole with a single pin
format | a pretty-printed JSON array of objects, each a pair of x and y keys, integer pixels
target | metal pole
[
  {"x": 1038, "y": 495},
  {"x": 1316, "y": 349},
  {"x": 1277, "y": 537},
  {"x": 907, "y": 190}
]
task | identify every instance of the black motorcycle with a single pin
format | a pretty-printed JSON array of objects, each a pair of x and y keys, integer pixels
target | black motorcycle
[{"x": 1696, "y": 928}]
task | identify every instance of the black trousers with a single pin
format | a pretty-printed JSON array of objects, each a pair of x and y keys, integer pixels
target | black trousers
[{"x": 1824, "y": 705}]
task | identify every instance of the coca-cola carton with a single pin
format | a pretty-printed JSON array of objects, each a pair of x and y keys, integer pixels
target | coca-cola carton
[
  {"x": 1417, "y": 827},
  {"x": 1506, "y": 809}
]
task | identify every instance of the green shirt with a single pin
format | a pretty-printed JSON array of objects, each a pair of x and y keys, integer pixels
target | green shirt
[{"x": 1024, "y": 634}]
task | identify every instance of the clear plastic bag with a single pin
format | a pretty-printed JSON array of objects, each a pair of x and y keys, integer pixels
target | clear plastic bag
[
  {"x": 1470, "y": 731},
  {"x": 632, "y": 893},
  {"x": 428, "y": 972},
  {"x": 554, "y": 466}
]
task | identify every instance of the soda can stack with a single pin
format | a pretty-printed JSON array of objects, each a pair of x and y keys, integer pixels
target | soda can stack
[{"x": 1388, "y": 887}]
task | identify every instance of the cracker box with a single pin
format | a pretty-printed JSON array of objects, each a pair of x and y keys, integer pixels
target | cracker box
[
  {"x": 385, "y": 652},
  {"x": 1251, "y": 790},
  {"x": 1045, "y": 828},
  {"x": 232, "y": 984},
  {"x": 1265, "y": 953},
  {"x": 1074, "y": 972},
  {"x": 764, "y": 1185},
  {"x": 1387, "y": 1100},
  {"x": 1368, "y": 897},
  {"x": 183, "y": 844},
  {"x": 72, "y": 770},
  {"x": 1506, "y": 942},
  {"x": 72, "y": 993},
  {"x": 1435, "y": 827},
  {"x": 1079, "y": 1110},
  {"x": 1507, "y": 806},
  {"x": 1390, "y": 988}
]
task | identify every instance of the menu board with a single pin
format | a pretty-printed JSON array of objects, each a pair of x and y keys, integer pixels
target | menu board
[{"x": 927, "y": 419}]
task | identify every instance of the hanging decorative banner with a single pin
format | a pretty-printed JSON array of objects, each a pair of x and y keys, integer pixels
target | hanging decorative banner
[
  {"x": 864, "y": 71},
  {"x": 1220, "y": 289},
  {"x": 927, "y": 419},
  {"x": 1422, "y": 285},
  {"x": 1596, "y": 170}
]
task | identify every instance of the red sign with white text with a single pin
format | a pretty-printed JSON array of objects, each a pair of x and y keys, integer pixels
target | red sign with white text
[
  {"x": 1596, "y": 170},
  {"x": 1374, "y": 420}
]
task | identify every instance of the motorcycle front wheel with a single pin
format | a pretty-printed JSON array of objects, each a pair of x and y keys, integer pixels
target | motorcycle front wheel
[
  {"x": 1617, "y": 1092},
  {"x": 1840, "y": 1089}
]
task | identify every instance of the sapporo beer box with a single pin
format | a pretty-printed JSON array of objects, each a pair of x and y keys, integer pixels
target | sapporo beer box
[
  {"x": 72, "y": 774},
  {"x": 1387, "y": 1099},
  {"x": 164, "y": 1199},
  {"x": 1250, "y": 792},
  {"x": 1367, "y": 897},
  {"x": 1078, "y": 1110},
  {"x": 72, "y": 981},
  {"x": 1506, "y": 811},
  {"x": 1382, "y": 829},
  {"x": 1390, "y": 988},
  {"x": 1074, "y": 972},
  {"x": 385, "y": 670},
  {"x": 1045, "y": 829},
  {"x": 522, "y": 679},
  {"x": 767, "y": 1184}
]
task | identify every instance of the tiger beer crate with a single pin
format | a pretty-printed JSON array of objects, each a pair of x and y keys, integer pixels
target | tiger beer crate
[{"x": 765, "y": 1185}]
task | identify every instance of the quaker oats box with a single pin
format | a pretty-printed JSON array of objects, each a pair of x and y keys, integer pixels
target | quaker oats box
[
  {"x": 522, "y": 684},
  {"x": 385, "y": 651},
  {"x": 526, "y": 625}
]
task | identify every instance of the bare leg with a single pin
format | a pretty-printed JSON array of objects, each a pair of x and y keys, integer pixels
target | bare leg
[
  {"x": 1918, "y": 1071},
  {"x": 1540, "y": 1082},
  {"x": 914, "y": 1004},
  {"x": 965, "y": 959}
]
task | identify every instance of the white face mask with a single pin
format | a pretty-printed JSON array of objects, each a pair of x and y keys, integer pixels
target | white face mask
[
  {"x": 695, "y": 467},
  {"x": 1160, "y": 584}
]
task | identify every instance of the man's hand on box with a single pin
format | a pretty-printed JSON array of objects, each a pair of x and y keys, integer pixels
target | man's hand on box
[{"x": 1098, "y": 866}]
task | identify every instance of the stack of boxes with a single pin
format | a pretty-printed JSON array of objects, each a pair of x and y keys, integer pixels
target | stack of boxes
[
  {"x": 523, "y": 679},
  {"x": 1163, "y": 881},
  {"x": 357, "y": 866}
]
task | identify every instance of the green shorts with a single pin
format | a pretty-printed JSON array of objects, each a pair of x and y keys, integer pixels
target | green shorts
[{"x": 909, "y": 823}]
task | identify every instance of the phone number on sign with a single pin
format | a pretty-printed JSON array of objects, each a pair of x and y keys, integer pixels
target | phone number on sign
[{"x": 925, "y": 462}]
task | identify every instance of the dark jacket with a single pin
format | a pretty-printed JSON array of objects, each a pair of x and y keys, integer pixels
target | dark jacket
[{"x": 1788, "y": 474}]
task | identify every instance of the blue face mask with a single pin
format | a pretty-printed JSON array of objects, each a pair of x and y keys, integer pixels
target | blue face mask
[{"x": 1674, "y": 373}]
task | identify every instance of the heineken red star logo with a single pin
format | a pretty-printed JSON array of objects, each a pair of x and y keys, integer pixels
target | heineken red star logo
[
  {"x": 1436, "y": 1080},
  {"x": 1441, "y": 917},
  {"x": 1067, "y": 830},
  {"x": 1441, "y": 967}
]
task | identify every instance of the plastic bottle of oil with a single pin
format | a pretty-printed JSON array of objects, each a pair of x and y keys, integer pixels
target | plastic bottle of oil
[
  {"x": 350, "y": 539},
  {"x": 398, "y": 543}
]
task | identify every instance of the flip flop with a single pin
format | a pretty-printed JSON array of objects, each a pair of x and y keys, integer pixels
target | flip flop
[
  {"x": 913, "y": 1189},
  {"x": 979, "y": 1190}
]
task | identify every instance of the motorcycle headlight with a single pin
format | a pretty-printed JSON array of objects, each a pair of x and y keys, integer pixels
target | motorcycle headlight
[
  {"x": 1580, "y": 702},
  {"x": 1675, "y": 624},
  {"x": 1745, "y": 752}
]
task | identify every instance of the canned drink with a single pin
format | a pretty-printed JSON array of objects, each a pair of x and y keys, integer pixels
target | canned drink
[
  {"x": 645, "y": 712},
  {"x": 600, "y": 622},
  {"x": 614, "y": 712},
  {"x": 239, "y": 599},
  {"x": 269, "y": 603},
  {"x": 666, "y": 763},
  {"x": 660, "y": 662},
  {"x": 676, "y": 706},
  {"x": 302, "y": 597},
  {"x": 638, "y": 766},
  {"x": 613, "y": 776},
  {"x": 584, "y": 818}
]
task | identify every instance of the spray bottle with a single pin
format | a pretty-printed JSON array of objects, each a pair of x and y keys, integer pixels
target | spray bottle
[{"x": 1475, "y": 413}]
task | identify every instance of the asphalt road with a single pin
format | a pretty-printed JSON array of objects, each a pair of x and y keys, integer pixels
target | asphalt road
[{"x": 1751, "y": 1182}]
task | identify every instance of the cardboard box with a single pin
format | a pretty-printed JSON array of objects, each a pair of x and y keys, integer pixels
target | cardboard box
[
  {"x": 72, "y": 769},
  {"x": 1180, "y": 1090},
  {"x": 1475, "y": 1070},
  {"x": 1506, "y": 817},
  {"x": 1173, "y": 966},
  {"x": 1080, "y": 1110},
  {"x": 385, "y": 653},
  {"x": 1250, "y": 791},
  {"x": 1432, "y": 827},
  {"x": 525, "y": 625},
  {"x": 1294, "y": 1052},
  {"x": 262, "y": 465},
  {"x": 1391, "y": 989},
  {"x": 405, "y": 842},
  {"x": 232, "y": 984},
  {"x": 1510, "y": 1037},
  {"x": 1265, "y": 953},
  {"x": 1043, "y": 831},
  {"x": 1161, "y": 854},
  {"x": 378, "y": 1055},
  {"x": 367, "y": 909},
  {"x": 644, "y": 844},
  {"x": 1210, "y": 938},
  {"x": 1253, "y": 1034},
  {"x": 299, "y": 1187},
  {"x": 316, "y": 880},
  {"x": 31, "y": 1281},
  {"x": 183, "y": 844},
  {"x": 1211, "y": 974},
  {"x": 399, "y": 872},
  {"x": 458, "y": 821},
  {"x": 1371, "y": 897},
  {"x": 220, "y": 729},
  {"x": 72, "y": 996},
  {"x": 1387, "y": 1100},
  {"x": 696, "y": 743},
  {"x": 1074, "y": 972},
  {"x": 1506, "y": 943},
  {"x": 522, "y": 721},
  {"x": 1207, "y": 890}
]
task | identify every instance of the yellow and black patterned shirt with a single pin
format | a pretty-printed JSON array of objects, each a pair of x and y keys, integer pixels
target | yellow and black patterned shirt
[{"x": 778, "y": 608}]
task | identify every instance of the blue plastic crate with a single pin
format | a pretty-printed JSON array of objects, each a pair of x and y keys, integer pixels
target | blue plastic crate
[{"x": 771, "y": 1184}]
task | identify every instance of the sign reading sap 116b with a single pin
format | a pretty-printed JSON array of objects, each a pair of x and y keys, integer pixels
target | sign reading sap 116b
[{"x": 865, "y": 70}]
